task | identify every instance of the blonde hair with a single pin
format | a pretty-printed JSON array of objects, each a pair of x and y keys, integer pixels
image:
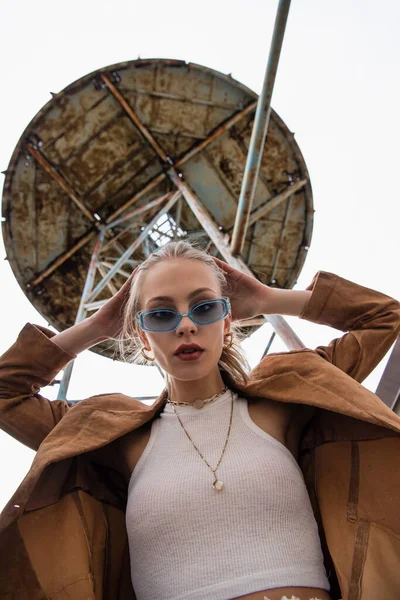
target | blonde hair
[{"x": 233, "y": 360}]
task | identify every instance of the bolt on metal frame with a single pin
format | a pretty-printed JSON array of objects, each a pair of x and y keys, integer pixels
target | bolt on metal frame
[{"x": 229, "y": 244}]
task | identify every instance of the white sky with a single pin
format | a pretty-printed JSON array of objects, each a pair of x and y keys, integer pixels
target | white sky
[{"x": 337, "y": 88}]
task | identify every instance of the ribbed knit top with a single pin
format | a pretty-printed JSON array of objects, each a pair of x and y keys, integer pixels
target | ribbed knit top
[{"x": 188, "y": 541}]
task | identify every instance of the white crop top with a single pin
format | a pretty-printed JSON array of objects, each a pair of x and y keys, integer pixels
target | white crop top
[{"x": 188, "y": 541}]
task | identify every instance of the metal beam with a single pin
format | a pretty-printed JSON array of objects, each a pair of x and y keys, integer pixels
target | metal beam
[
  {"x": 388, "y": 388},
  {"x": 109, "y": 265},
  {"x": 279, "y": 244},
  {"x": 95, "y": 305},
  {"x": 267, "y": 349},
  {"x": 225, "y": 126},
  {"x": 134, "y": 213},
  {"x": 67, "y": 254},
  {"x": 127, "y": 254},
  {"x": 129, "y": 227},
  {"x": 161, "y": 233},
  {"x": 131, "y": 262},
  {"x": 140, "y": 210},
  {"x": 272, "y": 203},
  {"x": 82, "y": 310},
  {"x": 276, "y": 201},
  {"x": 44, "y": 163},
  {"x": 218, "y": 131},
  {"x": 186, "y": 100},
  {"x": 143, "y": 130},
  {"x": 178, "y": 216},
  {"x": 147, "y": 188},
  {"x": 255, "y": 321},
  {"x": 103, "y": 273},
  {"x": 59, "y": 261},
  {"x": 259, "y": 132}
]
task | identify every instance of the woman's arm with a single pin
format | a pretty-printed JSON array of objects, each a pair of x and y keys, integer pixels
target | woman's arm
[
  {"x": 31, "y": 363},
  {"x": 80, "y": 337},
  {"x": 285, "y": 302},
  {"x": 34, "y": 360},
  {"x": 370, "y": 318}
]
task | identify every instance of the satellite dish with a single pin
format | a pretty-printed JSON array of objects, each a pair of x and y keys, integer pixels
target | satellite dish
[{"x": 102, "y": 151}]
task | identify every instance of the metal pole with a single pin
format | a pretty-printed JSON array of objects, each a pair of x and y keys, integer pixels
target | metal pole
[
  {"x": 271, "y": 339},
  {"x": 81, "y": 314},
  {"x": 259, "y": 132}
]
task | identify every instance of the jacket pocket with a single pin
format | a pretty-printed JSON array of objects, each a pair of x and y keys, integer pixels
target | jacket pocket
[
  {"x": 59, "y": 550},
  {"x": 379, "y": 482},
  {"x": 381, "y": 574}
]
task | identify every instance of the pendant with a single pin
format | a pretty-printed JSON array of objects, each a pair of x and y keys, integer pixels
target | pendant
[
  {"x": 198, "y": 404},
  {"x": 218, "y": 485}
]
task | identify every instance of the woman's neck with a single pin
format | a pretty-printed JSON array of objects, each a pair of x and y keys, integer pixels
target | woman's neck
[{"x": 197, "y": 389}]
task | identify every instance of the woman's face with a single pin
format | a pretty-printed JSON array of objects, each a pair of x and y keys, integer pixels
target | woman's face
[{"x": 181, "y": 281}]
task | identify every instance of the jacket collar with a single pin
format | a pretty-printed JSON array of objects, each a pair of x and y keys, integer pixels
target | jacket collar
[{"x": 282, "y": 377}]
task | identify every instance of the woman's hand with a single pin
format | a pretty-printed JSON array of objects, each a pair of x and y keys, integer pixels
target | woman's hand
[
  {"x": 109, "y": 317},
  {"x": 106, "y": 323},
  {"x": 249, "y": 296}
]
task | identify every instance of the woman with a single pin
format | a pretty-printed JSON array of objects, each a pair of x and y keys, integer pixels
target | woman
[{"x": 216, "y": 504}]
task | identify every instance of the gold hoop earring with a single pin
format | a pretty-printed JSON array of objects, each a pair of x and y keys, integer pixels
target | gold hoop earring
[
  {"x": 230, "y": 341},
  {"x": 144, "y": 354}
]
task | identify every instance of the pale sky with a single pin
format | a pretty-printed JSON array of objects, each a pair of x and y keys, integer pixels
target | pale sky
[{"x": 337, "y": 88}]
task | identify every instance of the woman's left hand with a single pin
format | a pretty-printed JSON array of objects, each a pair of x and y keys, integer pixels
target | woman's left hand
[{"x": 248, "y": 296}]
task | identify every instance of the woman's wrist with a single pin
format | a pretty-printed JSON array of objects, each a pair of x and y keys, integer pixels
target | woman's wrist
[
  {"x": 80, "y": 336},
  {"x": 284, "y": 302}
]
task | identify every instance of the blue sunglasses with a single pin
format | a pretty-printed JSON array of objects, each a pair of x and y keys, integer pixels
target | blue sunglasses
[{"x": 166, "y": 319}]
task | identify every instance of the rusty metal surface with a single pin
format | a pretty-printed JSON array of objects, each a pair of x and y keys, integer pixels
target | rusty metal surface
[{"x": 92, "y": 145}]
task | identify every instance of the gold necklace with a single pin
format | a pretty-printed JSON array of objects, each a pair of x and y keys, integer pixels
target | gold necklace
[
  {"x": 199, "y": 403},
  {"x": 217, "y": 484}
]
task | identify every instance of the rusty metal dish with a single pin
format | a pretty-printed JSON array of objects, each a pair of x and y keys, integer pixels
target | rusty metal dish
[{"x": 81, "y": 160}]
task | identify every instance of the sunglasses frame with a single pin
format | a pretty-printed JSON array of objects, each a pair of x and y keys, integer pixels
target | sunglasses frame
[{"x": 142, "y": 313}]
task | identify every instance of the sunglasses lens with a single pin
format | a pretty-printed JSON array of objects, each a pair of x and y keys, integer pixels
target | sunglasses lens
[
  {"x": 209, "y": 312},
  {"x": 159, "y": 320},
  {"x": 203, "y": 314}
]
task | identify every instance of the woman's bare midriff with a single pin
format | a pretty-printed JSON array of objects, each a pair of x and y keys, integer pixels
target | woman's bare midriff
[
  {"x": 284, "y": 422},
  {"x": 299, "y": 593}
]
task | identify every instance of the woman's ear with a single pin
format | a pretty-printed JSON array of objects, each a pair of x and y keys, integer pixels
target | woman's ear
[
  {"x": 227, "y": 327},
  {"x": 143, "y": 338}
]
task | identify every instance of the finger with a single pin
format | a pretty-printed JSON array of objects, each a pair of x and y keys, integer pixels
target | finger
[
  {"x": 223, "y": 265},
  {"x": 126, "y": 286}
]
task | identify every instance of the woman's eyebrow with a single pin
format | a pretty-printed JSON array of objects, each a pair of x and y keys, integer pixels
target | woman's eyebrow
[{"x": 169, "y": 299}]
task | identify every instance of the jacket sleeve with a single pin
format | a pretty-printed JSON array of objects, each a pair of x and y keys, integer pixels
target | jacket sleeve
[
  {"x": 29, "y": 364},
  {"x": 370, "y": 318}
]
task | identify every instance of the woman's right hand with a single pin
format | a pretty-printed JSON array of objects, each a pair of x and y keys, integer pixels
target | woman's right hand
[
  {"x": 104, "y": 324},
  {"x": 108, "y": 318}
]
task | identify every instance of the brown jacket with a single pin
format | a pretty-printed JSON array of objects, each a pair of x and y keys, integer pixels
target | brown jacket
[{"x": 62, "y": 534}]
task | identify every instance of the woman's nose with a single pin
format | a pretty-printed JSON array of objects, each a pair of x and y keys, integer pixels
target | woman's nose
[{"x": 185, "y": 325}]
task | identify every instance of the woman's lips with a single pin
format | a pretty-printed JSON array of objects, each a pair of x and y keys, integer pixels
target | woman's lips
[{"x": 190, "y": 355}]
